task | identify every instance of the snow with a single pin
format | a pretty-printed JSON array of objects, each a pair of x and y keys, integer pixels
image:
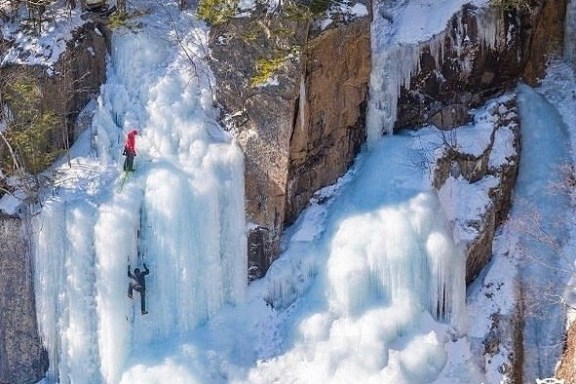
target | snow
[
  {"x": 396, "y": 49},
  {"x": 369, "y": 287},
  {"x": 420, "y": 20},
  {"x": 342, "y": 10},
  {"x": 245, "y": 7},
  {"x": 44, "y": 49},
  {"x": 10, "y": 203}
]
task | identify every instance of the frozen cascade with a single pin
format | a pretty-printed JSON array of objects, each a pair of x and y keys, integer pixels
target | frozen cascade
[
  {"x": 65, "y": 291},
  {"x": 570, "y": 32},
  {"x": 395, "y": 58},
  {"x": 182, "y": 213},
  {"x": 408, "y": 256},
  {"x": 384, "y": 273},
  {"x": 543, "y": 228},
  {"x": 302, "y": 104},
  {"x": 411, "y": 259},
  {"x": 392, "y": 70}
]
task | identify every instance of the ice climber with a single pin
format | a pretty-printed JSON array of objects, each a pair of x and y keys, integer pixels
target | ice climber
[
  {"x": 130, "y": 151},
  {"x": 139, "y": 285}
]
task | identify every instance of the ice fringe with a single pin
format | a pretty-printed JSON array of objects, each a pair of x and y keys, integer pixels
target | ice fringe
[{"x": 394, "y": 63}]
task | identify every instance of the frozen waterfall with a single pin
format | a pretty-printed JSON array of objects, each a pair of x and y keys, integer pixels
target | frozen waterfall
[{"x": 181, "y": 212}]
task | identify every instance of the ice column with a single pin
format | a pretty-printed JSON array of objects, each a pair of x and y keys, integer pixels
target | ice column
[
  {"x": 391, "y": 70},
  {"x": 65, "y": 290}
]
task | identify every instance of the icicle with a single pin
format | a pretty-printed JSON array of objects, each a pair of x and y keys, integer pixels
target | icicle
[
  {"x": 182, "y": 213},
  {"x": 488, "y": 27},
  {"x": 394, "y": 64},
  {"x": 391, "y": 70},
  {"x": 65, "y": 290},
  {"x": 412, "y": 259},
  {"x": 437, "y": 48},
  {"x": 302, "y": 102}
]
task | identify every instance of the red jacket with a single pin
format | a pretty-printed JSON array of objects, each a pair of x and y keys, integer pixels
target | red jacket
[{"x": 130, "y": 145}]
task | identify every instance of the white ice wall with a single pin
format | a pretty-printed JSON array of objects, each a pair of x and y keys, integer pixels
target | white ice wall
[{"x": 181, "y": 212}]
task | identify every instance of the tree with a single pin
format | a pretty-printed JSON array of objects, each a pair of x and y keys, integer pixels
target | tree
[
  {"x": 511, "y": 4},
  {"x": 30, "y": 127}
]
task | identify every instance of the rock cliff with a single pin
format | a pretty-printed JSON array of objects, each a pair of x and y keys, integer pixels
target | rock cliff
[
  {"x": 22, "y": 357},
  {"x": 67, "y": 86},
  {"x": 478, "y": 168},
  {"x": 481, "y": 53},
  {"x": 301, "y": 128},
  {"x": 294, "y": 94}
]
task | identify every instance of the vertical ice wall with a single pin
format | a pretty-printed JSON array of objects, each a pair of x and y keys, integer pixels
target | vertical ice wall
[
  {"x": 392, "y": 68},
  {"x": 402, "y": 253},
  {"x": 540, "y": 198},
  {"x": 65, "y": 290},
  {"x": 181, "y": 213}
]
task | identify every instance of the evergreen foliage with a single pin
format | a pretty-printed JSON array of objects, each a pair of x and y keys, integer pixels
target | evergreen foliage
[
  {"x": 220, "y": 11},
  {"x": 117, "y": 19},
  {"x": 216, "y": 11},
  {"x": 31, "y": 129},
  {"x": 297, "y": 12},
  {"x": 304, "y": 12},
  {"x": 265, "y": 69},
  {"x": 319, "y": 6},
  {"x": 511, "y": 4}
]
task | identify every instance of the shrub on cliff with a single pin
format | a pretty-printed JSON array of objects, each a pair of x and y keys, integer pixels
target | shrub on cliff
[
  {"x": 216, "y": 11},
  {"x": 30, "y": 128},
  {"x": 265, "y": 70},
  {"x": 511, "y": 4},
  {"x": 220, "y": 11}
]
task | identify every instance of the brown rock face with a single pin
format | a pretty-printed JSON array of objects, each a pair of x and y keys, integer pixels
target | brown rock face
[
  {"x": 300, "y": 132},
  {"x": 547, "y": 37},
  {"x": 474, "y": 65},
  {"x": 328, "y": 126},
  {"x": 471, "y": 67},
  {"x": 81, "y": 71},
  {"x": 475, "y": 168},
  {"x": 567, "y": 367},
  {"x": 22, "y": 357},
  {"x": 76, "y": 78},
  {"x": 262, "y": 118}
]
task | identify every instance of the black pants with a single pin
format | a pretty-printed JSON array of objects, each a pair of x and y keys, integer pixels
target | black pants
[
  {"x": 129, "y": 163},
  {"x": 138, "y": 288}
]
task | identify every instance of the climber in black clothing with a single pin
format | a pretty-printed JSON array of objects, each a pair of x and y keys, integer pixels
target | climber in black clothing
[{"x": 139, "y": 285}]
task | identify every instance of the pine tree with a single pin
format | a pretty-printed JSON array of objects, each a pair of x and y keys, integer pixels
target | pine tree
[{"x": 31, "y": 128}]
